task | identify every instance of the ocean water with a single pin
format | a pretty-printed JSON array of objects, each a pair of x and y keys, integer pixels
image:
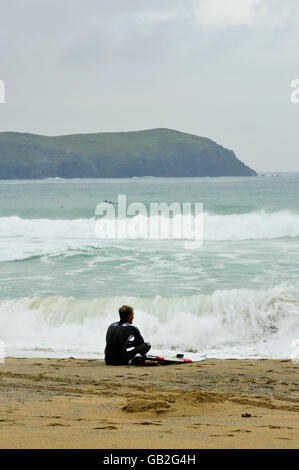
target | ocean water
[{"x": 236, "y": 296}]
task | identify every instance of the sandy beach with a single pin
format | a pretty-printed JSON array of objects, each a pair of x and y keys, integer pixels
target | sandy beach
[{"x": 82, "y": 403}]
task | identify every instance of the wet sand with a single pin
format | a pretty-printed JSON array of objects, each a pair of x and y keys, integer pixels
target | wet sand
[{"x": 82, "y": 403}]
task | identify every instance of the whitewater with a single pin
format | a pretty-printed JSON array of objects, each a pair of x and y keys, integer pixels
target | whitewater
[
  {"x": 237, "y": 296},
  {"x": 235, "y": 323},
  {"x": 24, "y": 238}
]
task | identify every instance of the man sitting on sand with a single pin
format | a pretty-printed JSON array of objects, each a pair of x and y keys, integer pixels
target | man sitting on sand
[{"x": 121, "y": 336}]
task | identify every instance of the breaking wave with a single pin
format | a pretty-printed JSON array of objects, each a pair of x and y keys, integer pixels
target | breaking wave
[
  {"x": 26, "y": 238},
  {"x": 227, "y": 323}
]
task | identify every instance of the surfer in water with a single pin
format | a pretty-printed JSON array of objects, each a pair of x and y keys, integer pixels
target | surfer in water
[
  {"x": 110, "y": 202},
  {"x": 123, "y": 340}
]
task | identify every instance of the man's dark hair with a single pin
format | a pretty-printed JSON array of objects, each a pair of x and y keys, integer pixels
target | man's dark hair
[{"x": 125, "y": 311}]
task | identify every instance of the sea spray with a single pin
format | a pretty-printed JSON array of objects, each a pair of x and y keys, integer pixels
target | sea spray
[{"x": 227, "y": 323}]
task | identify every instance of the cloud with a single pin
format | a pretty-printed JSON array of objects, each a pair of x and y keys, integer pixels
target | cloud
[{"x": 229, "y": 12}]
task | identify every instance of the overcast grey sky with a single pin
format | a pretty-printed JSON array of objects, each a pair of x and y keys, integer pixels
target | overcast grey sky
[{"x": 216, "y": 68}]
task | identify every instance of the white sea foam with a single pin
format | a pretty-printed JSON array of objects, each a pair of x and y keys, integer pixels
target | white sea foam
[
  {"x": 251, "y": 226},
  {"x": 24, "y": 238},
  {"x": 232, "y": 323}
]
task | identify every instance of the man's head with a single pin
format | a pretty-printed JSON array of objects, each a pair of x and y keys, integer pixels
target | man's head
[{"x": 126, "y": 313}]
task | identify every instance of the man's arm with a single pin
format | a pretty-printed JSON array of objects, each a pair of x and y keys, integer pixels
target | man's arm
[{"x": 138, "y": 339}]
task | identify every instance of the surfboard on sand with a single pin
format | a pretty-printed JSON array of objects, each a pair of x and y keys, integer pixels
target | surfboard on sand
[{"x": 164, "y": 361}]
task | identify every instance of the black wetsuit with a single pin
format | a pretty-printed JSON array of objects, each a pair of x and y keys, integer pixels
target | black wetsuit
[{"x": 121, "y": 336}]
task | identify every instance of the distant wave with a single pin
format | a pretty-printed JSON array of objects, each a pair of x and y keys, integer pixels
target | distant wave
[
  {"x": 227, "y": 323},
  {"x": 251, "y": 226},
  {"x": 27, "y": 238}
]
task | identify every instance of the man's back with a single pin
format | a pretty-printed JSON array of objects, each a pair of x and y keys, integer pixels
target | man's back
[{"x": 117, "y": 342}]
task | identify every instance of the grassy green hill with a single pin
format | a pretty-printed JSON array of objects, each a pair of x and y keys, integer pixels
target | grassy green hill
[{"x": 156, "y": 152}]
